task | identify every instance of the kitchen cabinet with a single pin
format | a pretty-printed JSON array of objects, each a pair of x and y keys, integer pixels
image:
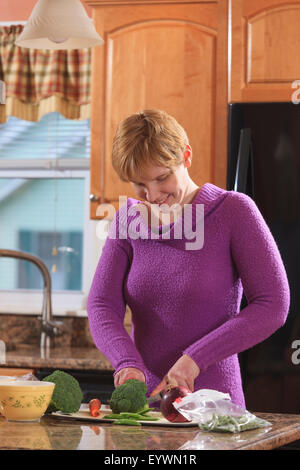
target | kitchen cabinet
[
  {"x": 165, "y": 55},
  {"x": 189, "y": 58},
  {"x": 265, "y": 43}
]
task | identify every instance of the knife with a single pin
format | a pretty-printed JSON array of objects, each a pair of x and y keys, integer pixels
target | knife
[{"x": 155, "y": 398}]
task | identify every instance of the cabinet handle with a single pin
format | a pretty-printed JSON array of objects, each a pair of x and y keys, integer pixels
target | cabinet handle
[{"x": 94, "y": 198}]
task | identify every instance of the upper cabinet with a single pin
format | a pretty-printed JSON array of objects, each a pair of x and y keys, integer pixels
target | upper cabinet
[
  {"x": 265, "y": 45},
  {"x": 189, "y": 58},
  {"x": 165, "y": 55}
]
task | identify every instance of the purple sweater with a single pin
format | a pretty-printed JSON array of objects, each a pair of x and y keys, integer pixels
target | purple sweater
[{"x": 187, "y": 301}]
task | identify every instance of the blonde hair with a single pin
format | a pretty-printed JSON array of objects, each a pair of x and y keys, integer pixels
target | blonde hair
[{"x": 149, "y": 137}]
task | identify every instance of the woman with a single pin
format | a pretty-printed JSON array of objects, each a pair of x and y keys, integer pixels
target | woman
[{"x": 185, "y": 300}]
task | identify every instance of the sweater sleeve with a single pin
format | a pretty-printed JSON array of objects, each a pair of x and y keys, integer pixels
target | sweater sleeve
[
  {"x": 106, "y": 307},
  {"x": 259, "y": 265}
]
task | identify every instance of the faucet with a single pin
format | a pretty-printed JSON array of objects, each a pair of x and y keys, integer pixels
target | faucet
[{"x": 49, "y": 328}]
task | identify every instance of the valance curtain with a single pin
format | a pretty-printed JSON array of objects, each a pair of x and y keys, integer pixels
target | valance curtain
[{"x": 38, "y": 82}]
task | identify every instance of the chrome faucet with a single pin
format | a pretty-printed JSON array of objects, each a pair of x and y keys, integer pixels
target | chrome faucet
[{"x": 49, "y": 327}]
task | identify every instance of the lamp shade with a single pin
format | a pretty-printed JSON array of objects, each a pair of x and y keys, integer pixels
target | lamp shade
[{"x": 59, "y": 24}]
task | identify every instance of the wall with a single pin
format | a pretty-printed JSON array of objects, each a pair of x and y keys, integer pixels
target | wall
[{"x": 19, "y": 10}]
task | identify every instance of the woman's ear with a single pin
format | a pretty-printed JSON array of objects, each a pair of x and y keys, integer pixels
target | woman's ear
[{"x": 187, "y": 156}]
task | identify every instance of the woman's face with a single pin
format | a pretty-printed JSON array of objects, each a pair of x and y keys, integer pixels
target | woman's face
[{"x": 161, "y": 185}]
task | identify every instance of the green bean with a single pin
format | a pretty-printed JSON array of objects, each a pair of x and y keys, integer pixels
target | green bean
[
  {"x": 127, "y": 422},
  {"x": 112, "y": 416},
  {"x": 128, "y": 415},
  {"x": 138, "y": 416},
  {"x": 227, "y": 423},
  {"x": 145, "y": 410}
]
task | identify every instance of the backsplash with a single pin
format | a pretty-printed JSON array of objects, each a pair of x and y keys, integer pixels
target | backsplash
[{"x": 26, "y": 330}]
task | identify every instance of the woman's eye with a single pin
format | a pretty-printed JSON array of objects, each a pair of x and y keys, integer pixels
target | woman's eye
[
  {"x": 158, "y": 179},
  {"x": 163, "y": 179}
]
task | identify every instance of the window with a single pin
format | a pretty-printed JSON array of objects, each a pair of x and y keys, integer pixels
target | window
[
  {"x": 44, "y": 210},
  {"x": 68, "y": 261}
]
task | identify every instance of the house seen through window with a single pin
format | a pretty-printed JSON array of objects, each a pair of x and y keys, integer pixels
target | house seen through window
[{"x": 42, "y": 209}]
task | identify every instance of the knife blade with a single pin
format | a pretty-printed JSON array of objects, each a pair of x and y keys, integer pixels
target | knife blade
[{"x": 155, "y": 398}]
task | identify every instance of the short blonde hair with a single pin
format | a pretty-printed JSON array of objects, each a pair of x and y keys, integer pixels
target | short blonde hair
[{"x": 149, "y": 137}]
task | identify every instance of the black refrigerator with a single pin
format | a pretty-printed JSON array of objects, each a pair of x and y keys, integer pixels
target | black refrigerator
[{"x": 264, "y": 162}]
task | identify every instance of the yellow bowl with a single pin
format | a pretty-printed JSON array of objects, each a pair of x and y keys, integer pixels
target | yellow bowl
[{"x": 25, "y": 400}]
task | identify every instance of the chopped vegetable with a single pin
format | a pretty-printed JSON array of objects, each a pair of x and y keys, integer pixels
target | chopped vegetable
[
  {"x": 227, "y": 423},
  {"x": 145, "y": 410},
  {"x": 135, "y": 416},
  {"x": 129, "y": 397},
  {"x": 67, "y": 395},
  {"x": 138, "y": 416},
  {"x": 94, "y": 407},
  {"x": 112, "y": 416},
  {"x": 127, "y": 422}
]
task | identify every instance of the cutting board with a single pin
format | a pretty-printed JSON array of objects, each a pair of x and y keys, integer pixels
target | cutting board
[{"x": 84, "y": 415}]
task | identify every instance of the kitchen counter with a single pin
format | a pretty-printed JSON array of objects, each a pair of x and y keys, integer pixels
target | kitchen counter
[
  {"x": 28, "y": 356},
  {"x": 52, "y": 433}
]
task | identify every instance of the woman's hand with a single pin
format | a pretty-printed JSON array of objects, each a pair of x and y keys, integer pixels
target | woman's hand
[
  {"x": 126, "y": 374},
  {"x": 183, "y": 374}
]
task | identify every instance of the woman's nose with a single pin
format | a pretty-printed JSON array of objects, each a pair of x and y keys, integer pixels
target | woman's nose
[{"x": 153, "y": 196}]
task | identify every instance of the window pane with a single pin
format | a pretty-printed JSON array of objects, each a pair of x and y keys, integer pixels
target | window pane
[
  {"x": 52, "y": 137},
  {"x": 37, "y": 216}
]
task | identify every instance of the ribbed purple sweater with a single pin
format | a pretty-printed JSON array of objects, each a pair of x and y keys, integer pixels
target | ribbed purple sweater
[{"x": 187, "y": 301}]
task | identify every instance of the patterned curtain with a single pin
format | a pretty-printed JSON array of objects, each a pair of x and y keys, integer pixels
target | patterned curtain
[{"x": 42, "y": 81}]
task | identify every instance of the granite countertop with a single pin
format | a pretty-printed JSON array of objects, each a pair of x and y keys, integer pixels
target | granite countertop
[
  {"x": 68, "y": 357},
  {"x": 53, "y": 433}
]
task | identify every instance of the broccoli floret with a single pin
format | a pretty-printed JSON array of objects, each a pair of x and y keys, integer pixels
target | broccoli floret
[
  {"x": 67, "y": 395},
  {"x": 131, "y": 397}
]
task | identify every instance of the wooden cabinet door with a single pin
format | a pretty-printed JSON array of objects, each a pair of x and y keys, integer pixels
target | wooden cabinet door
[
  {"x": 160, "y": 56},
  {"x": 265, "y": 50}
]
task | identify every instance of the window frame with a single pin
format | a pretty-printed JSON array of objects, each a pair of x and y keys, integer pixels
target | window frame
[{"x": 64, "y": 303}]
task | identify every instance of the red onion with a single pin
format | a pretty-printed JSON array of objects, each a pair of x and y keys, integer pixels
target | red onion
[{"x": 166, "y": 405}]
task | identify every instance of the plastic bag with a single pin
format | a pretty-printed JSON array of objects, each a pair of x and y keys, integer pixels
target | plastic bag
[
  {"x": 214, "y": 411},
  {"x": 29, "y": 376},
  {"x": 8, "y": 378}
]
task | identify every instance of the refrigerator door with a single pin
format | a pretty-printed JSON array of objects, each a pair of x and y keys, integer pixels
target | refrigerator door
[
  {"x": 271, "y": 376},
  {"x": 244, "y": 167}
]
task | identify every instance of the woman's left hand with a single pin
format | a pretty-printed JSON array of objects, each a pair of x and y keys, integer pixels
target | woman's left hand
[
  {"x": 183, "y": 373},
  {"x": 128, "y": 373}
]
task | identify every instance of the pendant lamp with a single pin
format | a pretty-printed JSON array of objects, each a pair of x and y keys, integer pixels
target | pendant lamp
[{"x": 59, "y": 24}]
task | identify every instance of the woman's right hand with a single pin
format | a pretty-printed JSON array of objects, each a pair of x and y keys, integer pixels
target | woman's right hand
[{"x": 126, "y": 374}]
